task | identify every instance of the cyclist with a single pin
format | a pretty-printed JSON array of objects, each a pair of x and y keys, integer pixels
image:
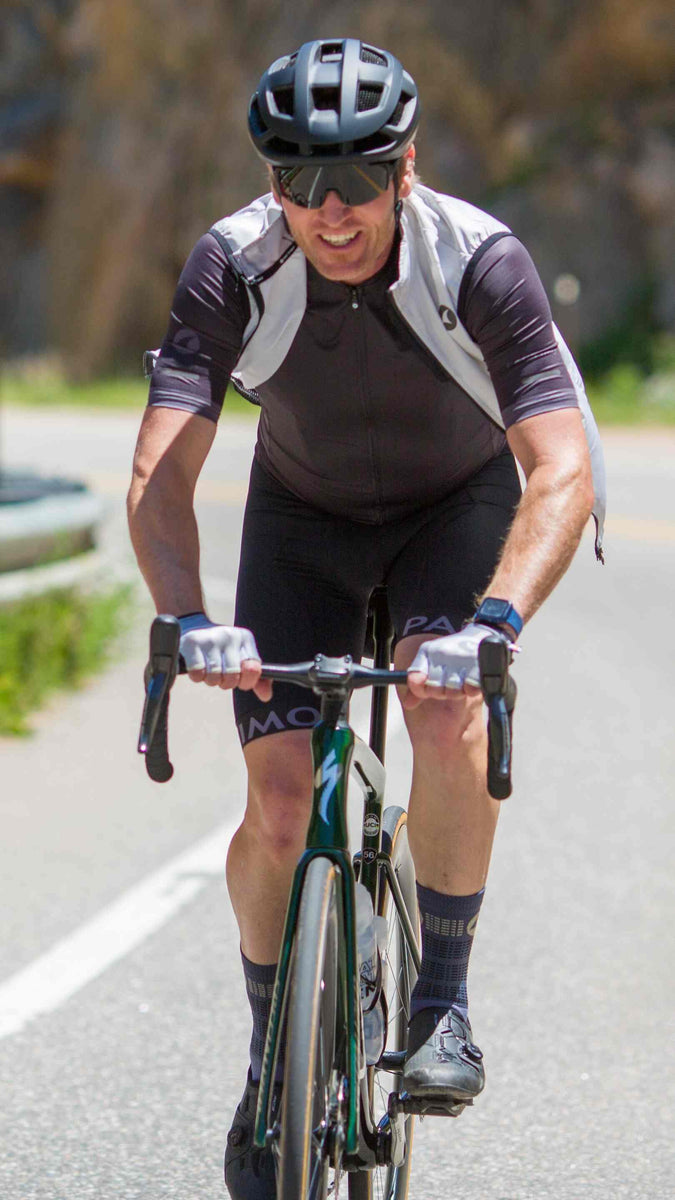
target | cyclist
[{"x": 400, "y": 345}]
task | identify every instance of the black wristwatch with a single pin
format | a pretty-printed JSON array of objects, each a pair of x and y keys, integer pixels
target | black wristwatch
[{"x": 498, "y": 613}]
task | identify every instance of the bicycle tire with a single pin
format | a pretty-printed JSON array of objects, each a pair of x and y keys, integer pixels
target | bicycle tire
[
  {"x": 389, "y": 1182},
  {"x": 307, "y": 1122}
]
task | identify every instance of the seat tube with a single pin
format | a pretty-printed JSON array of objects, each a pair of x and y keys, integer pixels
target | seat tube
[{"x": 383, "y": 635}]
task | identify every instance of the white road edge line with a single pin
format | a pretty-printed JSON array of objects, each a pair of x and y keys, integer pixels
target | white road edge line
[
  {"x": 87, "y": 952},
  {"x": 120, "y": 927}
]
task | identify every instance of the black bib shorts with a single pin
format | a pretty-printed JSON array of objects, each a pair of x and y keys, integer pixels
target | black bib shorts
[{"x": 305, "y": 577}]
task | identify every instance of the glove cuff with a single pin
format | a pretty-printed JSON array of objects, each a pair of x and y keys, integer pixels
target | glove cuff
[{"x": 194, "y": 620}]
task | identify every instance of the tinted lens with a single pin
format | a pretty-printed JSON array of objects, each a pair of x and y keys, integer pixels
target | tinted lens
[{"x": 355, "y": 183}]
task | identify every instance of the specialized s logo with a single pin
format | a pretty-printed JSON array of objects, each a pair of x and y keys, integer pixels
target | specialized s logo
[
  {"x": 327, "y": 774},
  {"x": 447, "y": 317}
]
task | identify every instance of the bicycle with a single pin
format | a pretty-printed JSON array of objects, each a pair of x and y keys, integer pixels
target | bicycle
[{"x": 339, "y": 1115}]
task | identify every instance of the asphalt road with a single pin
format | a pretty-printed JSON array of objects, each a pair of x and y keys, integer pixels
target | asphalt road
[{"x": 124, "y": 1087}]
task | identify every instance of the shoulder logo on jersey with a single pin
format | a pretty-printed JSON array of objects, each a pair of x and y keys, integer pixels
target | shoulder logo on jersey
[
  {"x": 447, "y": 317},
  {"x": 186, "y": 345}
]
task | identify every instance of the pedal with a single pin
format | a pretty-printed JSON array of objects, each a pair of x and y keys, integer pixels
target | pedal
[{"x": 424, "y": 1106}]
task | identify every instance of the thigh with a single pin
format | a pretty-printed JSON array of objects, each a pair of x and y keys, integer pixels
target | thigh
[
  {"x": 452, "y": 553},
  {"x": 303, "y": 587}
]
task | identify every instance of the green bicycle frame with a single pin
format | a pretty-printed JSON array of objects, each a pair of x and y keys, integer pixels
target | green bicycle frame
[{"x": 333, "y": 746}]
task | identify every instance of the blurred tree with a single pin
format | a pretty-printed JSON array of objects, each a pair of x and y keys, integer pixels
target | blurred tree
[{"x": 555, "y": 114}]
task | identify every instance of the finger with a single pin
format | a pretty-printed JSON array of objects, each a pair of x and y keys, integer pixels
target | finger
[
  {"x": 229, "y": 680},
  {"x": 250, "y": 674},
  {"x": 197, "y": 674},
  {"x": 471, "y": 689},
  {"x": 416, "y": 683},
  {"x": 264, "y": 690},
  {"x": 421, "y": 688}
]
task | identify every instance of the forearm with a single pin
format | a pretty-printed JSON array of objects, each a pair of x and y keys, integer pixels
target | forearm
[
  {"x": 165, "y": 538},
  {"x": 544, "y": 536}
]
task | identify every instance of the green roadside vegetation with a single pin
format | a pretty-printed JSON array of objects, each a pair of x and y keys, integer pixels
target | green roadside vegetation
[
  {"x": 52, "y": 390},
  {"x": 54, "y": 641},
  {"x": 630, "y": 380}
]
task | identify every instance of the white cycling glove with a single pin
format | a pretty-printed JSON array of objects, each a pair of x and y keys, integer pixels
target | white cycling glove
[
  {"x": 449, "y": 662},
  {"x": 216, "y": 649}
]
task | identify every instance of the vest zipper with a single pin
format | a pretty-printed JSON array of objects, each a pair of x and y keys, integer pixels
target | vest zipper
[{"x": 361, "y": 347}]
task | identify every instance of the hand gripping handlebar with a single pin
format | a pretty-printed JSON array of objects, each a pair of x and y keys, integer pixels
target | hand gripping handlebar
[{"x": 335, "y": 677}]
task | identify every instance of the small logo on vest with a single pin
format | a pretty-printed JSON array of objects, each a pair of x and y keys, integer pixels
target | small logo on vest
[{"x": 447, "y": 317}]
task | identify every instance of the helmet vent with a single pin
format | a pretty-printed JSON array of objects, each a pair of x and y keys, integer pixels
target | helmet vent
[
  {"x": 284, "y": 100},
  {"x": 369, "y": 97},
  {"x": 327, "y": 99},
  {"x": 331, "y": 52},
  {"x": 369, "y": 56}
]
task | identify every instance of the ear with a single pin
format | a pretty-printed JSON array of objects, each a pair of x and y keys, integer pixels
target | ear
[{"x": 407, "y": 179}]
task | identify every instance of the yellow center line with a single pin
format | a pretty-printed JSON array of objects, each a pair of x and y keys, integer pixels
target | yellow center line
[
  {"x": 641, "y": 529},
  {"x": 209, "y": 491}
]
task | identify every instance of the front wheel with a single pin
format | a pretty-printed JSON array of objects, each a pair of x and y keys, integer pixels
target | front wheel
[
  {"x": 309, "y": 1145},
  {"x": 399, "y": 974}
]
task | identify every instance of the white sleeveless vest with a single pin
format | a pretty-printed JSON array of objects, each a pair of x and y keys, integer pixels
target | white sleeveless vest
[{"x": 440, "y": 235}]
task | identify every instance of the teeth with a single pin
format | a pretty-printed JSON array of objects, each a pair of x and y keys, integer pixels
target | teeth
[{"x": 337, "y": 239}]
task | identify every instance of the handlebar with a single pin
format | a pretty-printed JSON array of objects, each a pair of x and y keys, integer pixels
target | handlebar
[{"x": 334, "y": 677}]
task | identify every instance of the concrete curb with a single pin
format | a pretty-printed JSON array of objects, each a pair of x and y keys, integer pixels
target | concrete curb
[{"x": 52, "y": 527}]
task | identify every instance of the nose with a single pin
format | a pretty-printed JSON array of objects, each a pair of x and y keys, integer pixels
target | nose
[{"x": 333, "y": 210}]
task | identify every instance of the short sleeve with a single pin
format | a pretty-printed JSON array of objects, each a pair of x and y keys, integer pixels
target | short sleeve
[
  {"x": 504, "y": 308},
  {"x": 209, "y": 315}
]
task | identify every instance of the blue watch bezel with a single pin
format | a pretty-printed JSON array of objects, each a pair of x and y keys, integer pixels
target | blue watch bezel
[{"x": 505, "y": 615}]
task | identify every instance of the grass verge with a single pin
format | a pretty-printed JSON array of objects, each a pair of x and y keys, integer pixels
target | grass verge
[
  {"x": 51, "y": 642},
  {"x": 50, "y": 390},
  {"x": 625, "y": 395}
]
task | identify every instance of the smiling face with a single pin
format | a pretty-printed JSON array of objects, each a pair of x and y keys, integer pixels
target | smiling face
[{"x": 348, "y": 243}]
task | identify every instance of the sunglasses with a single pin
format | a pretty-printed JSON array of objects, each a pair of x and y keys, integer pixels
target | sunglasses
[{"x": 355, "y": 183}]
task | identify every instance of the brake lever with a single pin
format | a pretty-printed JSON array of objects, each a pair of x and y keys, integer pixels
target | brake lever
[
  {"x": 499, "y": 693},
  {"x": 159, "y": 677}
]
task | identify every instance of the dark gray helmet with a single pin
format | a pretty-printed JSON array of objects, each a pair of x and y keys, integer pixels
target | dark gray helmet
[{"x": 334, "y": 100}]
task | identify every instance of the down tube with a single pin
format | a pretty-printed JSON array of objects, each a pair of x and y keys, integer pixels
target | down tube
[{"x": 332, "y": 749}]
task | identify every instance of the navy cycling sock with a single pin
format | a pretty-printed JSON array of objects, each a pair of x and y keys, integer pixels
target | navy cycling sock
[
  {"x": 259, "y": 988},
  {"x": 448, "y": 925}
]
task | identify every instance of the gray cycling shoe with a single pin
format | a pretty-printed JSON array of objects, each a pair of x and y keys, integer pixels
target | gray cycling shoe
[
  {"x": 249, "y": 1172},
  {"x": 442, "y": 1064}
]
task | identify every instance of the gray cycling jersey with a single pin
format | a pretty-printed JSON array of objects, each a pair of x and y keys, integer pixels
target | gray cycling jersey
[{"x": 368, "y": 411}]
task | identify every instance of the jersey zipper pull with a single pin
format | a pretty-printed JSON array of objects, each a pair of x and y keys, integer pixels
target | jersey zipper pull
[{"x": 355, "y": 297}]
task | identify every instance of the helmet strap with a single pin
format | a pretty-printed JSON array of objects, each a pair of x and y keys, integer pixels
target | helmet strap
[{"x": 398, "y": 203}]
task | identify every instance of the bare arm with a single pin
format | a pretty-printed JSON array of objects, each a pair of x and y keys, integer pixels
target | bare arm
[
  {"x": 170, "y": 453},
  {"x": 556, "y": 504}
]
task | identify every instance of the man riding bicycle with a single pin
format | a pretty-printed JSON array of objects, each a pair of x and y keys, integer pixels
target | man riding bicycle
[{"x": 400, "y": 345}]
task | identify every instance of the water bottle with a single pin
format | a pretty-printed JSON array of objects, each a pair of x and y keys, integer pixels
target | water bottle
[{"x": 371, "y": 937}]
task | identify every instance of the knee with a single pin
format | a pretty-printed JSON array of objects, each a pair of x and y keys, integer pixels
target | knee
[
  {"x": 447, "y": 731},
  {"x": 279, "y": 801}
]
